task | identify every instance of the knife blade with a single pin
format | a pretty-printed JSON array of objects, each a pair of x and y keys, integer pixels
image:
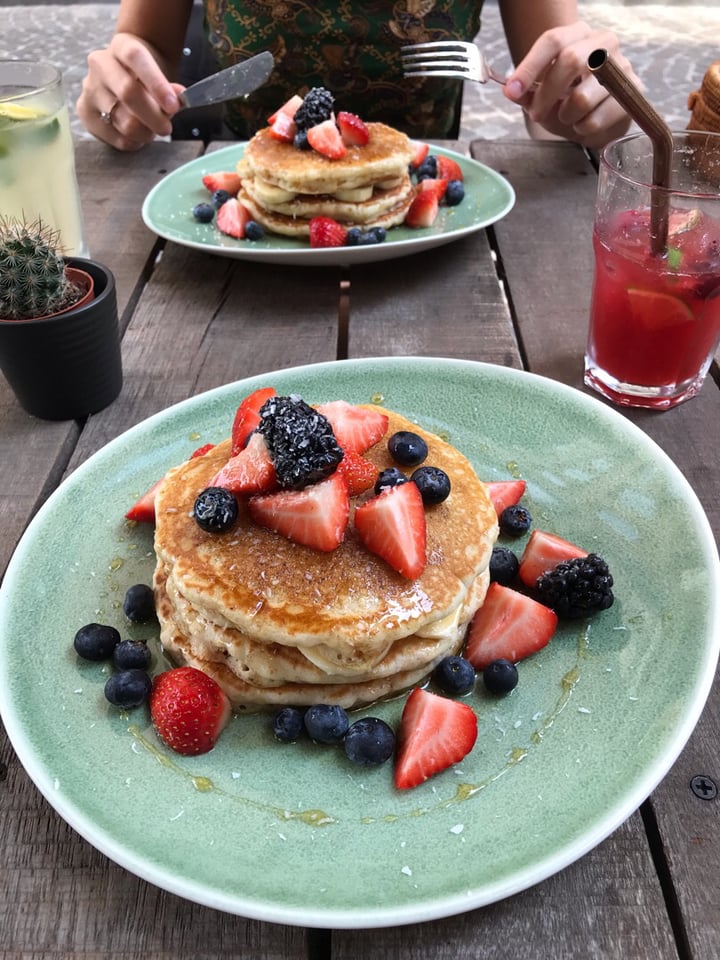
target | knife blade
[{"x": 236, "y": 81}]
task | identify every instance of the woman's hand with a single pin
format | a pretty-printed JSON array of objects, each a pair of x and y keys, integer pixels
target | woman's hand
[
  {"x": 126, "y": 100},
  {"x": 554, "y": 86}
]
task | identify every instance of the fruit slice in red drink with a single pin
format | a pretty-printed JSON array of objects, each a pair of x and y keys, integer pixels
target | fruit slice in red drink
[{"x": 656, "y": 310}]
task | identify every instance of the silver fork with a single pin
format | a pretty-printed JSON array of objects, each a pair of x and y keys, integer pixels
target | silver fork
[{"x": 448, "y": 58}]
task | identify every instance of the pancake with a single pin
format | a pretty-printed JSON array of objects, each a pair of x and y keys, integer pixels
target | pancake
[{"x": 276, "y": 622}]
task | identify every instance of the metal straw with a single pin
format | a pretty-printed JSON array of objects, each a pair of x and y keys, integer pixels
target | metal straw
[{"x": 650, "y": 122}]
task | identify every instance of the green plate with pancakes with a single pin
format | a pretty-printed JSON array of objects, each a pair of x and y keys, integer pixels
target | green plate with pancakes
[{"x": 293, "y": 833}]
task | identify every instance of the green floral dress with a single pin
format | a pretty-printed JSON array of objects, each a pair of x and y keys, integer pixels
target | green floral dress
[{"x": 352, "y": 49}]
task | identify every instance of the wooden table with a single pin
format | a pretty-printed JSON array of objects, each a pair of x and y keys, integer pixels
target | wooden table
[{"x": 191, "y": 322}]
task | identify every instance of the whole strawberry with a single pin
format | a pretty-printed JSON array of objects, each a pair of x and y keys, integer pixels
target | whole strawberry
[{"x": 188, "y": 709}]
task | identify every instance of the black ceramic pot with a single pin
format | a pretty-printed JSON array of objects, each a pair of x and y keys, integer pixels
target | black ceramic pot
[{"x": 67, "y": 366}]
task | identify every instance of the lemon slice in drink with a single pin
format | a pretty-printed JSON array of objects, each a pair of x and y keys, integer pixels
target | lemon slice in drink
[
  {"x": 654, "y": 309},
  {"x": 19, "y": 111}
]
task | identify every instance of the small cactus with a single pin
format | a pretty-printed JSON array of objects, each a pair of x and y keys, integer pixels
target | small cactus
[{"x": 32, "y": 272}]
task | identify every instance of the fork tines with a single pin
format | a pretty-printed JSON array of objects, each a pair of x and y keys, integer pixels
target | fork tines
[{"x": 442, "y": 58}]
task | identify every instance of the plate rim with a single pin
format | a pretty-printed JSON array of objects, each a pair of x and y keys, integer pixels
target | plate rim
[{"x": 424, "y": 909}]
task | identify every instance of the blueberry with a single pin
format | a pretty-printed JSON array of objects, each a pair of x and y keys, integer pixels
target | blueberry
[
  {"x": 454, "y": 193},
  {"x": 369, "y": 742},
  {"x": 253, "y": 231},
  {"x": 454, "y": 675},
  {"x": 139, "y": 603},
  {"x": 203, "y": 212},
  {"x": 515, "y": 520},
  {"x": 391, "y": 477},
  {"x": 215, "y": 510},
  {"x": 427, "y": 169},
  {"x": 380, "y": 233},
  {"x": 326, "y": 723},
  {"x": 220, "y": 197},
  {"x": 300, "y": 140},
  {"x": 353, "y": 237},
  {"x": 504, "y": 566},
  {"x": 96, "y": 641},
  {"x": 128, "y": 688},
  {"x": 288, "y": 724},
  {"x": 131, "y": 655},
  {"x": 500, "y": 676},
  {"x": 407, "y": 448},
  {"x": 433, "y": 484}
]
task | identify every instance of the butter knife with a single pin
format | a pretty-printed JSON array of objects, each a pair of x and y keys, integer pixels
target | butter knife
[{"x": 236, "y": 81}]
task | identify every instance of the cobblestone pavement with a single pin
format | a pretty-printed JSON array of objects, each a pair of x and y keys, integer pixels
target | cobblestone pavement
[{"x": 670, "y": 46}]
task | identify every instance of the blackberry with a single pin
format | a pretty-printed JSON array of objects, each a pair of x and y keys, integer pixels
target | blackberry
[
  {"x": 515, "y": 520},
  {"x": 504, "y": 566},
  {"x": 300, "y": 440},
  {"x": 576, "y": 588},
  {"x": 316, "y": 107}
]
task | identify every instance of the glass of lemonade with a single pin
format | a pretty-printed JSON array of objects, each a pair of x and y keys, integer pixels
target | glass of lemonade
[
  {"x": 655, "y": 313},
  {"x": 37, "y": 160}
]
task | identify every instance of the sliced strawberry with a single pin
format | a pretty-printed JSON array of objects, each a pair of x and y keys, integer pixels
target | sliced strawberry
[
  {"x": 223, "y": 180},
  {"x": 289, "y": 108},
  {"x": 423, "y": 210},
  {"x": 325, "y": 138},
  {"x": 353, "y": 130},
  {"x": 315, "y": 517},
  {"x": 355, "y": 428},
  {"x": 448, "y": 169},
  {"x": 509, "y": 625},
  {"x": 249, "y": 471},
  {"x": 189, "y": 710},
  {"x": 544, "y": 551},
  {"x": 360, "y": 474},
  {"x": 201, "y": 451},
  {"x": 436, "y": 186},
  {"x": 435, "y": 732},
  {"x": 326, "y": 232},
  {"x": 231, "y": 218},
  {"x": 421, "y": 151},
  {"x": 143, "y": 510},
  {"x": 505, "y": 493},
  {"x": 247, "y": 416},
  {"x": 284, "y": 128},
  {"x": 392, "y": 525}
]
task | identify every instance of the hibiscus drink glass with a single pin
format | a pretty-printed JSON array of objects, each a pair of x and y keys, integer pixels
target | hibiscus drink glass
[{"x": 655, "y": 312}]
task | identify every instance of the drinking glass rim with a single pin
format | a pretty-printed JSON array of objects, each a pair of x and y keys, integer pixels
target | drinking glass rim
[
  {"x": 54, "y": 79},
  {"x": 634, "y": 181}
]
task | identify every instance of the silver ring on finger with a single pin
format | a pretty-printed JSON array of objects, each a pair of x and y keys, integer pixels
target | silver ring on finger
[{"x": 107, "y": 115}]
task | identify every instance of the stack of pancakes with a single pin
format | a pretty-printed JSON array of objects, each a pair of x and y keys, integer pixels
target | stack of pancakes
[
  {"x": 284, "y": 187},
  {"x": 705, "y": 102},
  {"x": 276, "y": 623}
]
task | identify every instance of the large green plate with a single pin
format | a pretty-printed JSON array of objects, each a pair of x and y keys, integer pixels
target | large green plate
[
  {"x": 294, "y": 833},
  {"x": 167, "y": 211}
]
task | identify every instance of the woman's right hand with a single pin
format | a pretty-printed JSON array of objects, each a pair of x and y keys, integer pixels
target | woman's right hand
[{"x": 126, "y": 99}]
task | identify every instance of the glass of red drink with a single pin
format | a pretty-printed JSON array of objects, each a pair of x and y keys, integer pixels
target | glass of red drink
[{"x": 655, "y": 312}]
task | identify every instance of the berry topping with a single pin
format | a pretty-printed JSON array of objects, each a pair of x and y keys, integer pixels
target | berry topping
[
  {"x": 421, "y": 151},
  {"x": 283, "y": 128},
  {"x": 392, "y": 525},
  {"x": 232, "y": 219},
  {"x": 500, "y": 676},
  {"x": 215, "y": 509},
  {"x": 317, "y": 106},
  {"x": 435, "y": 733},
  {"x": 543, "y": 552},
  {"x": 189, "y": 710},
  {"x": 448, "y": 169},
  {"x": 326, "y": 723},
  {"x": 433, "y": 185},
  {"x": 139, "y": 603},
  {"x": 247, "y": 416},
  {"x": 407, "y": 448},
  {"x": 509, "y": 626},
  {"x": 577, "y": 587},
  {"x": 427, "y": 168},
  {"x": 222, "y": 180},
  {"x": 433, "y": 484},
  {"x": 300, "y": 141},
  {"x": 131, "y": 655},
  {"x": 455, "y": 193},
  {"x": 505, "y": 493},
  {"x": 300, "y": 441},
  {"x": 361, "y": 238},
  {"x": 203, "y": 212},
  {"x": 369, "y": 742},
  {"x": 325, "y": 138},
  {"x": 504, "y": 566},
  {"x": 423, "y": 210},
  {"x": 96, "y": 641},
  {"x": 360, "y": 474},
  {"x": 356, "y": 428},
  {"x": 390, "y": 477},
  {"x": 314, "y": 517},
  {"x": 515, "y": 520},
  {"x": 326, "y": 232},
  {"x": 290, "y": 107},
  {"x": 249, "y": 471},
  {"x": 353, "y": 130},
  {"x": 128, "y": 688},
  {"x": 288, "y": 725},
  {"x": 143, "y": 510},
  {"x": 454, "y": 675},
  {"x": 253, "y": 230},
  {"x": 220, "y": 197}
]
